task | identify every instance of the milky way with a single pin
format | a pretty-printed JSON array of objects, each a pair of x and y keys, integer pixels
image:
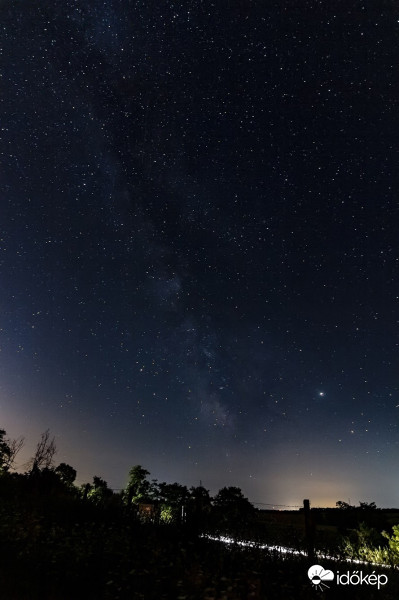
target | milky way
[{"x": 199, "y": 256}]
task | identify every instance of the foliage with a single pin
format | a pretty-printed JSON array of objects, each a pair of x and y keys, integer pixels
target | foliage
[
  {"x": 8, "y": 451},
  {"x": 199, "y": 495},
  {"x": 199, "y": 507},
  {"x": 367, "y": 506},
  {"x": 66, "y": 473},
  {"x": 99, "y": 491},
  {"x": 167, "y": 514},
  {"x": 90, "y": 545},
  {"x": 4, "y": 451},
  {"x": 393, "y": 545},
  {"x": 366, "y": 544},
  {"x": 231, "y": 509},
  {"x": 138, "y": 488},
  {"x": 232, "y": 501},
  {"x": 362, "y": 506},
  {"x": 98, "y": 555},
  {"x": 173, "y": 498},
  {"x": 174, "y": 494},
  {"x": 343, "y": 505}
]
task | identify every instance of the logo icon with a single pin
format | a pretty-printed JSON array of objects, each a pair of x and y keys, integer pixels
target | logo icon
[{"x": 318, "y": 576}]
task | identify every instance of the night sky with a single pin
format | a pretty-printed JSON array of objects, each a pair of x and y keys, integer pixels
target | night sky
[{"x": 199, "y": 242}]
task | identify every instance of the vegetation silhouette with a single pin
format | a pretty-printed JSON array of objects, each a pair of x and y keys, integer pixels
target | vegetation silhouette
[{"x": 147, "y": 541}]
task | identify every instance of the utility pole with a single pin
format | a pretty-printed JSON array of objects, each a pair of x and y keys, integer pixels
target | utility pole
[{"x": 309, "y": 530}]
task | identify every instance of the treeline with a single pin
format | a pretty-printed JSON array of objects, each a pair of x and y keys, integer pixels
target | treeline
[
  {"x": 59, "y": 540},
  {"x": 142, "y": 497}
]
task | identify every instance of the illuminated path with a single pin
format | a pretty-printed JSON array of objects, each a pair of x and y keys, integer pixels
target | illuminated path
[
  {"x": 286, "y": 550},
  {"x": 280, "y": 549}
]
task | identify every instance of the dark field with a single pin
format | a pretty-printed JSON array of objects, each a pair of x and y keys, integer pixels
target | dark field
[{"x": 64, "y": 549}]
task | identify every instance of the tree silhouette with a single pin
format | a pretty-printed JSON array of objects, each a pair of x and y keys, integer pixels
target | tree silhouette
[
  {"x": 231, "y": 497},
  {"x": 199, "y": 506},
  {"x": 4, "y": 451},
  {"x": 173, "y": 494},
  {"x": 199, "y": 498},
  {"x": 66, "y": 473},
  {"x": 8, "y": 451},
  {"x": 99, "y": 491},
  {"x": 232, "y": 507},
  {"x": 367, "y": 506},
  {"x": 343, "y": 505},
  {"x": 44, "y": 455},
  {"x": 138, "y": 488}
]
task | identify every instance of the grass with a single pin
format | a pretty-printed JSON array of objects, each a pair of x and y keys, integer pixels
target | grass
[
  {"x": 120, "y": 561},
  {"x": 63, "y": 549}
]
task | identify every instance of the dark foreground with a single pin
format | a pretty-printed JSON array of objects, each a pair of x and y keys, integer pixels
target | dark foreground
[{"x": 41, "y": 559}]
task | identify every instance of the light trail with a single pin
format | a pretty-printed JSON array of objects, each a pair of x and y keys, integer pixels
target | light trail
[
  {"x": 287, "y": 550},
  {"x": 248, "y": 544}
]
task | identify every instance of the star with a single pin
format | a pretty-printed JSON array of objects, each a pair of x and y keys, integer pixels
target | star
[{"x": 165, "y": 254}]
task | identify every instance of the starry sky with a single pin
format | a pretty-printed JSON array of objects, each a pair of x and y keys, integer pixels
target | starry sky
[{"x": 199, "y": 251}]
